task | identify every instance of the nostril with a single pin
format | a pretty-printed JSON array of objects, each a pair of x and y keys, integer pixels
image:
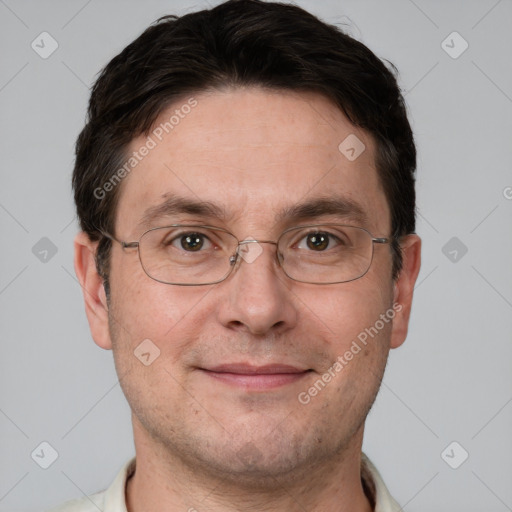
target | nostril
[{"x": 237, "y": 325}]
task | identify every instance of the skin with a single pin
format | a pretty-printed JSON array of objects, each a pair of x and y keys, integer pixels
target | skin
[{"x": 202, "y": 443}]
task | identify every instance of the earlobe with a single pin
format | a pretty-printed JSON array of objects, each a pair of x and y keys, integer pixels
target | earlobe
[
  {"x": 404, "y": 287},
  {"x": 95, "y": 299}
]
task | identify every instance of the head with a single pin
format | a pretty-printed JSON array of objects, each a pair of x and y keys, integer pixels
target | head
[{"x": 241, "y": 110}]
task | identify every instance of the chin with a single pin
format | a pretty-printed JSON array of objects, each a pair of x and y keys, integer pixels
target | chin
[
  {"x": 255, "y": 469},
  {"x": 268, "y": 461}
]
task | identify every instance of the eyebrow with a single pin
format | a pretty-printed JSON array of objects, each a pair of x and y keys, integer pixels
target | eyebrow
[
  {"x": 318, "y": 207},
  {"x": 175, "y": 205},
  {"x": 315, "y": 207}
]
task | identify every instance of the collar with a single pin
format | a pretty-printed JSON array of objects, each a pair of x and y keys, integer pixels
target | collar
[{"x": 373, "y": 485}]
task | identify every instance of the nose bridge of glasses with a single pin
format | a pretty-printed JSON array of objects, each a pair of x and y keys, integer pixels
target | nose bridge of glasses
[
  {"x": 252, "y": 241},
  {"x": 243, "y": 245},
  {"x": 243, "y": 250}
]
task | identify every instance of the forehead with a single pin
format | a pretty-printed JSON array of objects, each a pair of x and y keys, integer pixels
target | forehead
[{"x": 252, "y": 154}]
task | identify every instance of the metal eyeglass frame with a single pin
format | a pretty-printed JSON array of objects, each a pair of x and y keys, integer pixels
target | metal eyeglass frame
[{"x": 236, "y": 258}]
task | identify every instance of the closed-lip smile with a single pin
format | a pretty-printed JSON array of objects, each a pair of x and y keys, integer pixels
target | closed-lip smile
[{"x": 257, "y": 378}]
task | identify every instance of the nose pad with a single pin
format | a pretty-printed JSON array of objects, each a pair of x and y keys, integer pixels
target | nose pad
[
  {"x": 234, "y": 262},
  {"x": 280, "y": 257}
]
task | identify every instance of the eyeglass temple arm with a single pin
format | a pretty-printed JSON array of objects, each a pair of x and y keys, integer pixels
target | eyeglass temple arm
[
  {"x": 124, "y": 245},
  {"x": 128, "y": 245}
]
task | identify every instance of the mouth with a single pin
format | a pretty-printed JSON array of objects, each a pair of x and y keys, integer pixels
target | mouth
[{"x": 256, "y": 378}]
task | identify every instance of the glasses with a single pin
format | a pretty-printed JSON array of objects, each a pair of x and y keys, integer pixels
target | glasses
[{"x": 194, "y": 255}]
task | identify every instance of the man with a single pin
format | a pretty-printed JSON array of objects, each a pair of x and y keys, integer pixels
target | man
[{"x": 245, "y": 188}]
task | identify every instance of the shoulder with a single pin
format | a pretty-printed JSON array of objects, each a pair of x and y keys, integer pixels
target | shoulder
[
  {"x": 375, "y": 486},
  {"x": 86, "y": 504},
  {"x": 109, "y": 500}
]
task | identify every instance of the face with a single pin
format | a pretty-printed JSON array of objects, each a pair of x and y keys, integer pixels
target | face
[{"x": 246, "y": 381}]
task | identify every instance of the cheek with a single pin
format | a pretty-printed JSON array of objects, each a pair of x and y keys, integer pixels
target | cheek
[
  {"x": 149, "y": 340},
  {"x": 142, "y": 309},
  {"x": 345, "y": 311}
]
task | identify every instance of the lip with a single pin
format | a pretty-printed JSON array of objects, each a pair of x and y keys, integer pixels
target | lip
[
  {"x": 256, "y": 378},
  {"x": 249, "y": 369}
]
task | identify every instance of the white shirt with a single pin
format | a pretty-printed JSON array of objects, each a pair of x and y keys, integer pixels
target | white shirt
[{"x": 113, "y": 498}]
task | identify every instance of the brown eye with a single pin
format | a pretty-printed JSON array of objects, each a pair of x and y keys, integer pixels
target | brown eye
[
  {"x": 192, "y": 241},
  {"x": 318, "y": 241}
]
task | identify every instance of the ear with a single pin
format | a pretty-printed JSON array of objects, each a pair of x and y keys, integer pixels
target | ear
[
  {"x": 404, "y": 288},
  {"x": 93, "y": 290}
]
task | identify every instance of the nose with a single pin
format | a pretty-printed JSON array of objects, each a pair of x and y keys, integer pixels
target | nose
[{"x": 257, "y": 294}]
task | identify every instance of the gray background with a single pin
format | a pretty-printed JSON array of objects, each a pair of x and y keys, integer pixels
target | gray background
[{"x": 451, "y": 381}]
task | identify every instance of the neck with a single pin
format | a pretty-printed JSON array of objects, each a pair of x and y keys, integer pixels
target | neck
[{"x": 164, "y": 482}]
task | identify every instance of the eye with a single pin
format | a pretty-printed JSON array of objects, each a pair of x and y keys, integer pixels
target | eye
[
  {"x": 191, "y": 242},
  {"x": 318, "y": 241}
]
